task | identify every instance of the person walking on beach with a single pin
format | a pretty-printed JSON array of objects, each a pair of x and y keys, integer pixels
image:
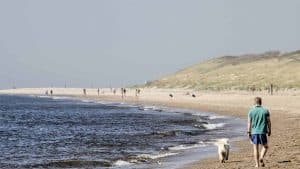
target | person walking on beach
[
  {"x": 259, "y": 125},
  {"x": 84, "y": 91},
  {"x": 138, "y": 91},
  {"x": 124, "y": 91}
]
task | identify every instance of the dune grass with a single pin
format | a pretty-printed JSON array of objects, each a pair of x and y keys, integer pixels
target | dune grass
[{"x": 238, "y": 73}]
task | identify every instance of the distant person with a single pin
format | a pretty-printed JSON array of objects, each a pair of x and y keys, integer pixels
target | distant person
[
  {"x": 124, "y": 91},
  {"x": 271, "y": 89},
  {"x": 98, "y": 91},
  {"x": 51, "y": 92},
  {"x": 139, "y": 91},
  {"x": 114, "y": 91},
  {"x": 46, "y": 93},
  {"x": 84, "y": 91},
  {"x": 259, "y": 125}
]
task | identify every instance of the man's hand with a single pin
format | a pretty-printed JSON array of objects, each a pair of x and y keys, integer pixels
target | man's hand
[{"x": 249, "y": 137}]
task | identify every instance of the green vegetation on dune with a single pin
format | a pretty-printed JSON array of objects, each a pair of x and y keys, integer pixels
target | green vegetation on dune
[{"x": 238, "y": 73}]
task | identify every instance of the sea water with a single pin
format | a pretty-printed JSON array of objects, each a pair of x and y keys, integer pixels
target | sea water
[{"x": 61, "y": 132}]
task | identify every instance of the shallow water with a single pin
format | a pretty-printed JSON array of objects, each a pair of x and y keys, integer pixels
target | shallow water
[{"x": 42, "y": 132}]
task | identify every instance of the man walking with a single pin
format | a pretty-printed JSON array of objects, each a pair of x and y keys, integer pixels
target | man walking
[{"x": 259, "y": 125}]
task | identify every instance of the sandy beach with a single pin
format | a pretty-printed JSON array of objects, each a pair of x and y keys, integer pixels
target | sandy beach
[{"x": 284, "y": 106}]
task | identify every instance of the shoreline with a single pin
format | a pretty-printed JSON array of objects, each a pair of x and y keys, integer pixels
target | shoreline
[
  {"x": 284, "y": 143},
  {"x": 178, "y": 156}
]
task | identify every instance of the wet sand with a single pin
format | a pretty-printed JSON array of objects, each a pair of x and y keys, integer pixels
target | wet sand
[{"x": 284, "y": 107}]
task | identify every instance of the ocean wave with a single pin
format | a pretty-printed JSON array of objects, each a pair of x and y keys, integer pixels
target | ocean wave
[
  {"x": 212, "y": 117},
  {"x": 121, "y": 105},
  {"x": 165, "y": 133},
  {"x": 41, "y": 96},
  {"x": 185, "y": 147},
  {"x": 153, "y": 157},
  {"x": 146, "y": 108},
  {"x": 104, "y": 102},
  {"x": 71, "y": 164},
  {"x": 155, "y": 108},
  {"x": 213, "y": 126},
  {"x": 141, "y": 158},
  {"x": 121, "y": 163},
  {"x": 87, "y": 101},
  {"x": 60, "y": 97}
]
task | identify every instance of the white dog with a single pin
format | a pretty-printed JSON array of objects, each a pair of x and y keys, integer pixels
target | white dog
[{"x": 223, "y": 149}]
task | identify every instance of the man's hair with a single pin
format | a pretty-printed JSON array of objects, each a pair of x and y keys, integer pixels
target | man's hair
[{"x": 257, "y": 100}]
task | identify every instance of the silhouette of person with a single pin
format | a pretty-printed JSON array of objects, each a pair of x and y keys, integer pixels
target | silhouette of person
[
  {"x": 84, "y": 91},
  {"x": 124, "y": 91}
]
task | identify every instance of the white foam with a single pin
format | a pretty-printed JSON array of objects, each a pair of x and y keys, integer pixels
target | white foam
[
  {"x": 104, "y": 102},
  {"x": 121, "y": 163},
  {"x": 213, "y": 126},
  {"x": 60, "y": 97},
  {"x": 149, "y": 156},
  {"x": 148, "y": 107},
  {"x": 53, "y": 97},
  {"x": 185, "y": 147},
  {"x": 44, "y": 96},
  {"x": 212, "y": 117},
  {"x": 145, "y": 108},
  {"x": 86, "y": 101}
]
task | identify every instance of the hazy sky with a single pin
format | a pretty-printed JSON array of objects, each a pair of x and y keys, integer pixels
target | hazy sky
[{"x": 94, "y": 42}]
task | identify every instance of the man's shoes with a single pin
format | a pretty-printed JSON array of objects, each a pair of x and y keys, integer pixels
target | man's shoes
[{"x": 262, "y": 162}]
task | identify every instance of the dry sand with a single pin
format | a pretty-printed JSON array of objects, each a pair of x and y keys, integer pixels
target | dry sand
[{"x": 284, "y": 143}]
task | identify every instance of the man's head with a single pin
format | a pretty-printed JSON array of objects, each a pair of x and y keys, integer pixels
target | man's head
[{"x": 257, "y": 101}]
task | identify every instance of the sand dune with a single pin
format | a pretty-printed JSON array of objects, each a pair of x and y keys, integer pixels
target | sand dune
[{"x": 238, "y": 72}]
